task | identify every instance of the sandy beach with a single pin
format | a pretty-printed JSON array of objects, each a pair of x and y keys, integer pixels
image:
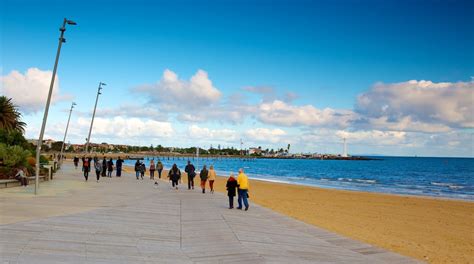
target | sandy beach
[{"x": 429, "y": 229}]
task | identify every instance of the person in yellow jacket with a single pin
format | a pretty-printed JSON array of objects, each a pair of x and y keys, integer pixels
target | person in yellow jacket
[
  {"x": 243, "y": 188},
  {"x": 211, "y": 177}
]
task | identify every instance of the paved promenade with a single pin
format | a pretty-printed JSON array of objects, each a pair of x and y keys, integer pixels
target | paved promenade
[{"x": 122, "y": 220}]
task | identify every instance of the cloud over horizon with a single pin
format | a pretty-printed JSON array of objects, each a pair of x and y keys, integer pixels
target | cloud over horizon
[
  {"x": 30, "y": 90},
  {"x": 412, "y": 114},
  {"x": 422, "y": 106},
  {"x": 175, "y": 94}
]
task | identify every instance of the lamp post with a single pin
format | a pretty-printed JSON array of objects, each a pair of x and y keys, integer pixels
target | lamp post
[
  {"x": 65, "y": 133},
  {"x": 48, "y": 101},
  {"x": 93, "y": 114}
]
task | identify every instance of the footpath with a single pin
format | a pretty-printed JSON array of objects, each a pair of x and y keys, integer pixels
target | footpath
[{"x": 122, "y": 220}]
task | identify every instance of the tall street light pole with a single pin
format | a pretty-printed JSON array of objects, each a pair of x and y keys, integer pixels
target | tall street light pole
[
  {"x": 48, "y": 101},
  {"x": 93, "y": 115},
  {"x": 65, "y": 133}
]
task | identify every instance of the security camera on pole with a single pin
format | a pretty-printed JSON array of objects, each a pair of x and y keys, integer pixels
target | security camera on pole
[
  {"x": 93, "y": 115},
  {"x": 48, "y": 101}
]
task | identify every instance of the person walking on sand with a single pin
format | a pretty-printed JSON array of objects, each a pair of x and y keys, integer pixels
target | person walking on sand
[
  {"x": 98, "y": 169},
  {"x": 86, "y": 168},
  {"x": 231, "y": 185},
  {"x": 174, "y": 175},
  {"x": 104, "y": 167},
  {"x": 152, "y": 170},
  {"x": 137, "y": 169},
  {"x": 110, "y": 168},
  {"x": 191, "y": 171},
  {"x": 211, "y": 177},
  {"x": 203, "y": 175},
  {"x": 118, "y": 167},
  {"x": 159, "y": 167},
  {"x": 243, "y": 188}
]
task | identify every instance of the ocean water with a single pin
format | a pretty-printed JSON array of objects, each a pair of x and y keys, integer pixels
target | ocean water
[{"x": 438, "y": 177}]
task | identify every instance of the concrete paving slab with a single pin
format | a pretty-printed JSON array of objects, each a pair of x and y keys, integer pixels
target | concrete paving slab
[{"x": 122, "y": 220}]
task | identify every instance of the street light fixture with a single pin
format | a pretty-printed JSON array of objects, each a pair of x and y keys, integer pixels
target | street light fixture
[
  {"x": 65, "y": 133},
  {"x": 93, "y": 114},
  {"x": 48, "y": 101}
]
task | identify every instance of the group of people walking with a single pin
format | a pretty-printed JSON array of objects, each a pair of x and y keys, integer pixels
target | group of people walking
[
  {"x": 235, "y": 186},
  {"x": 102, "y": 168},
  {"x": 205, "y": 175},
  {"x": 140, "y": 169},
  {"x": 239, "y": 186}
]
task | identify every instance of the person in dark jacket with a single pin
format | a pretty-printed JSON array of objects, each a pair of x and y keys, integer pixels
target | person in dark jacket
[
  {"x": 118, "y": 167},
  {"x": 191, "y": 171},
  {"x": 174, "y": 175},
  {"x": 104, "y": 167},
  {"x": 142, "y": 169},
  {"x": 110, "y": 168},
  {"x": 76, "y": 161},
  {"x": 86, "y": 165},
  {"x": 203, "y": 175},
  {"x": 137, "y": 169},
  {"x": 231, "y": 186}
]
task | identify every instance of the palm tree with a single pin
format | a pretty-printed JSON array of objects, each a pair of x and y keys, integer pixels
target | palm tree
[{"x": 10, "y": 118}]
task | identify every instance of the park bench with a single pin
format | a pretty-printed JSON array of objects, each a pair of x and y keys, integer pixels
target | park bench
[{"x": 13, "y": 183}]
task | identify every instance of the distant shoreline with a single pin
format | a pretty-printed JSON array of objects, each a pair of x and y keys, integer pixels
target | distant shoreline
[{"x": 135, "y": 156}]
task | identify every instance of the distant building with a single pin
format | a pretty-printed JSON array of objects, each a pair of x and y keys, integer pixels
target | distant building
[{"x": 256, "y": 151}]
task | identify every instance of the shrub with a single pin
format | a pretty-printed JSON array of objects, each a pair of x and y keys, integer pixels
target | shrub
[{"x": 13, "y": 156}]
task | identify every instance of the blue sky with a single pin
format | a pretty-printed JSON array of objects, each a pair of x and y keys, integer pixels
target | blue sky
[{"x": 325, "y": 53}]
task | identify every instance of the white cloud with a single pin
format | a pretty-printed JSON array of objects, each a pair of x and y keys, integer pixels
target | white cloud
[
  {"x": 125, "y": 128},
  {"x": 265, "y": 135},
  {"x": 224, "y": 113},
  {"x": 29, "y": 90},
  {"x": 212, "y": 135},
  {"x": 281, "y": 113},
  {"x": 418, "y": 106},
  {"x": 266, "y": 92},
  {"x": 178, "y": 95},
  {"x": 127, "y": 110},
  {"x": 374, "y": 137},
  {"x": 405, "y": 123}
]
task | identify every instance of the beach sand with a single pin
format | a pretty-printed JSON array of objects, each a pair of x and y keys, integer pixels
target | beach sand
[{"x": 429, "y": 229}]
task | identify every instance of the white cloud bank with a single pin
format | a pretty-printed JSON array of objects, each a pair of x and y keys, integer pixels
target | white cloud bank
[
  {"x": 212, "y": 135},
  {"x": 284, "y": 114},
  {"x": 175, "y": 94},
  {"x": 265, "y": 135},
  {"x": 29, "y": 90},
  {"x": 418, "y": 106},
  {"x": 125, "y": 128}
]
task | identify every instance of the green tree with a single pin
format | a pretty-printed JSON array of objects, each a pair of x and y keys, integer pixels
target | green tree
[
  {"x": 13, "y": 138},
  {"x": 56, "y": 146},
  {"x": 10, "y": 117}
]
